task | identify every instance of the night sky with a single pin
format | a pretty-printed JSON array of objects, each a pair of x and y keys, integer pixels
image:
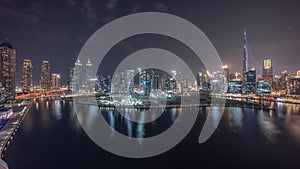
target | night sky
[{"x": 56, "y": 30}]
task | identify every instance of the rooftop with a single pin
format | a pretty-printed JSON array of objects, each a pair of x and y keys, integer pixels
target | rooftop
[{"x": 6, "y": 44}]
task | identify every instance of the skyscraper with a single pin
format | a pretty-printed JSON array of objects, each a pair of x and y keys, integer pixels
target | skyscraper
[
  {"x": 88, "y": 76},
  {"x": 70, "y": 79},
  {"x": 234, "y": 86},
  {"x": 267, "y": 71},
  {"x": 77, "y": 77},
  {"x": 263, "y": 87},
  {"x": 218, "y": 82},
  {"x": 154, "y": 82},
  {"x": 245, "y": 59},
  {"x": 145, "y": 79},
  {"x": 226, "y": 71},
  {"x": 129, "y": 81},
  {"x": 2, "y": 96},
  {"x": 26, "y": 75},
  {"x": 105, "y": 84},
  {"x": 298, "y": 73},
  {"x": 204, "y": 81},
  {"x": 293, "y": 87},
  {"x": 55, "y": 81},
  {"x": 45, "y": 75},
  {"x": 8, "y": 69},
  {"x": 282, "y": 84},
  {"x": 250, "y": 82}
]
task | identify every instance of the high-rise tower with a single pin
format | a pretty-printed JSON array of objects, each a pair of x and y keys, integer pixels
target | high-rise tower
[
  {"x": 267, "y": 71},
  {"x": 70, "y": 79},
  {"x": 26, "y": 75},
  {"x": 226, "y": 71},
  {"x": 77, "y": 76},
  {"x": 250, "y": 81},
  {"x": 8, "y": 69},
  {"x": 245, "y": 58},
  {"x": 88, "y": 76},
  {"x": 45, "y": 75},
  {"x": 55, "y": 81}
]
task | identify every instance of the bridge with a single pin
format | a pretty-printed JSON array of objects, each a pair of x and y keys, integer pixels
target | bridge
[{"x": 40, "y": 94}]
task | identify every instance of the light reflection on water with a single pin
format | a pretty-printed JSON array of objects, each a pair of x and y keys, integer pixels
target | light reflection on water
[
  {"x": 268, "y": 128},
  {"x": 265, "y": 122},
  {"x": 237, "y": 116},
  {"x": 140, "y": 130},
  {"x": 271, "y": 125},
  {"x": 173, "y": 112},
  {"x": 111, "y": 122},
  {"x": 58, "y": 114},
  {"x": 37, "y": 106},
  {"x": 51, "y": 127},
  {"x": 88, "y": 120},
  {"x": 292, "y": 120},
  {"x": 128, "y": 125},
  {"x": 294, "y": 128}
]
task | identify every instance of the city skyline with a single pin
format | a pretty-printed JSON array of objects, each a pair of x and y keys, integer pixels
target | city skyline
[
  {"x": 272, "y": 35},
  {"x": 158, "y": 84},
  {"x": 267, "y": 63}
]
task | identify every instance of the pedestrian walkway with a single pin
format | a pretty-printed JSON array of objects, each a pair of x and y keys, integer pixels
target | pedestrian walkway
[{"x": 10, "y": 128}]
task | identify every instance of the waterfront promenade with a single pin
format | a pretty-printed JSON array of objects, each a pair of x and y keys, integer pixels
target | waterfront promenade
[
  {"x": 270, "y": 139},
  {"x": 11, "y": 127}
]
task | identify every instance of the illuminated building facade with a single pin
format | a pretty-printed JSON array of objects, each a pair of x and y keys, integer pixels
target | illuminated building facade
[
  {"x": 226, "y": 71},
  {"x": 263, "y": 88},
  {"x": 129, "y": 82},
  {"x": 88, "y": 76},
  {"x": 245, "y": 59},
  {"x": 250, "y": 81},
  {"x": 267, "y": 71},
  {"x": 293, "y": 87},
  {"x": 235, "y": 86},
  {"x": 8, "y": 69},
  {"x": 104, "y": 84},
  {"x": 2, "y": 95},
  {"x": 26, "y": 75},
  {"x": 77, "y": 77},
  {"x": 298, "y": 73},
  {"x": 45, "y": 75},
  {"x": 282, "y": 84},
  {"x": 70, "y": 79},
  {"x": 55, "y": 81}
]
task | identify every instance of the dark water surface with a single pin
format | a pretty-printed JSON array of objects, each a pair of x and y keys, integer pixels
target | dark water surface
[{"x": 51, "y": 137}]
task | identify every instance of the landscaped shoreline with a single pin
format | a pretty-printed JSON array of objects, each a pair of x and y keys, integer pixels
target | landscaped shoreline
[{"x": 227, "y": 103}]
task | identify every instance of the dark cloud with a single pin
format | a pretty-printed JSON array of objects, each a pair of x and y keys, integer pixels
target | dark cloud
[
  {"x": 23, "y": 18},
  {"x": 160, "y": 7},
  {"x": 110, "y": 5},
  {"x": 71, "y": 2},
  {"x": 136, "y": 8},
  {"x": 88, "y": 10}
]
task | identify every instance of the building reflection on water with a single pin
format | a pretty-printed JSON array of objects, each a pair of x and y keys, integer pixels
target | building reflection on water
[
  {"x": 51, "y": 127},
  {"x": 57, "y": 106},
  {"x": 271, "y": 124},
  {"x": 111, "y": 121},
  {"x": 268, "y": 128},
  {"x": 140, "y": 130},
  {"x": 128, "y": 125}
]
